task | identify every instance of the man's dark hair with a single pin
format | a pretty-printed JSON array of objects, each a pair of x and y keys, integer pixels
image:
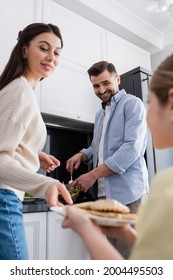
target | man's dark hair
[{"x": 101, "y": 66}]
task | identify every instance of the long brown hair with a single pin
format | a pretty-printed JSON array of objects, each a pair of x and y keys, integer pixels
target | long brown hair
[
  {"x": 15, "y": 66},
  {"x": 162, "y": 80}
]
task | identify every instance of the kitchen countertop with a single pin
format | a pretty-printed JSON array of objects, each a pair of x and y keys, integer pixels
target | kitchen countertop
[
  {"x": 31, "y": 205},
  {"x": 34, "y": 205}
]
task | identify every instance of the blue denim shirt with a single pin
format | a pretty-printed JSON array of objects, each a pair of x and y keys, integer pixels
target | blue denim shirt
[{"x": 124, "y": 147}]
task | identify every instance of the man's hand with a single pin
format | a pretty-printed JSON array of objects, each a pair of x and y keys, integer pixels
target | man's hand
[
  {"x": 84, "y": 182},
  {"x": 74, "y": 162}
]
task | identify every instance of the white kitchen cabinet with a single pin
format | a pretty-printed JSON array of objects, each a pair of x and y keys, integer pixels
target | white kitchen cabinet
[
  {"x": 15, "y": 16},
  {"x": 84, "y": 41},
  {"x": 48, "y": 240},
  {"x": 63, "y": 244},
  {"x": 68, "y": 92},
  {"x": 125, "y": 55},
  {"x": 36, "y": 234}
]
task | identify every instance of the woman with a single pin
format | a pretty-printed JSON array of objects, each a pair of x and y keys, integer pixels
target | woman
[
  {"x": 23, "y": 134},
  {"x": 153, "y": 239}
]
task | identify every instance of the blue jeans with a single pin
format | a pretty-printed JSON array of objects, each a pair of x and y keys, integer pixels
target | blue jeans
[{"x": 13, "y": 245}]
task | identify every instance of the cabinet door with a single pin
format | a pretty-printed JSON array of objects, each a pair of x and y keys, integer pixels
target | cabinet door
[
  {"x": 68, "y": 92},
  {"x": 125, "y": 55},
  {"x": 15, "y": 16},
  {"x": 63, "y": 244},
  {"x": 35, "y": 228},
  {"x": 84, "y": 41}
]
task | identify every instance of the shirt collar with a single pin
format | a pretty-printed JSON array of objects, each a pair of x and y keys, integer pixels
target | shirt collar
[{"x": 103, "y": 105}]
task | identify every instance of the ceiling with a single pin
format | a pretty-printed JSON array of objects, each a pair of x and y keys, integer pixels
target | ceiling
[
  {"x": 148, "y": 11},
  {"x": 138, "y": 21}
]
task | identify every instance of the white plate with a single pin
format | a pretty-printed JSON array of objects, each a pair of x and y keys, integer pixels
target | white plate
[
  {"x": 102, "y": 221},
  {"x": 58, "y": 209}
]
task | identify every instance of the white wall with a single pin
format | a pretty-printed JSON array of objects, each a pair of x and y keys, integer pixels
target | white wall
[
  {"x": 14, "y": 16},
  {"x": 158, "y": 57}
]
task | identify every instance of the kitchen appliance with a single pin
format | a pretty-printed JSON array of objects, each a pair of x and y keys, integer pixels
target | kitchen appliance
[
  {"x": 136, "y": 82},
  {"x": 66, "y": 137}
]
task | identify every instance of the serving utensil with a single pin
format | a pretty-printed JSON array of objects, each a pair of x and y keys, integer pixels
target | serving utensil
[{"x": 71, "y": 179}]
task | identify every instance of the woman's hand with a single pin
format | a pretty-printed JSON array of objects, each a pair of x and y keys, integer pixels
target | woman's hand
[
  {"x": 53, "y": 191},
  {"x": 48, "y": 162}
]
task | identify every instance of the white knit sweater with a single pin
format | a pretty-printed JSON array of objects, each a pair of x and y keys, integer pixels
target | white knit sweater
[{"x": 22, "y": 137}]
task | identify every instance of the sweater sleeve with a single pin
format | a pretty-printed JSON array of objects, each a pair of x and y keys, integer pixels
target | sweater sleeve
[
  {"x": 155, "y": 230},
  {"x": 20, "y": 178}
]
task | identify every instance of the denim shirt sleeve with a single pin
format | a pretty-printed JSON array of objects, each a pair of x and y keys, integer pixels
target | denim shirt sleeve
[
  {"x": 89, "y": 154},
  {"x": 131, "y": 117}
]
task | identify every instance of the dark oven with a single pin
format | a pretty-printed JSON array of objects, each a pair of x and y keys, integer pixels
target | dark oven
[{"x": 65, "y": 137}]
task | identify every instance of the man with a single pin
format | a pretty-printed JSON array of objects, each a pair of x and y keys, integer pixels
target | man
[{"x": 118, "y": 145}]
